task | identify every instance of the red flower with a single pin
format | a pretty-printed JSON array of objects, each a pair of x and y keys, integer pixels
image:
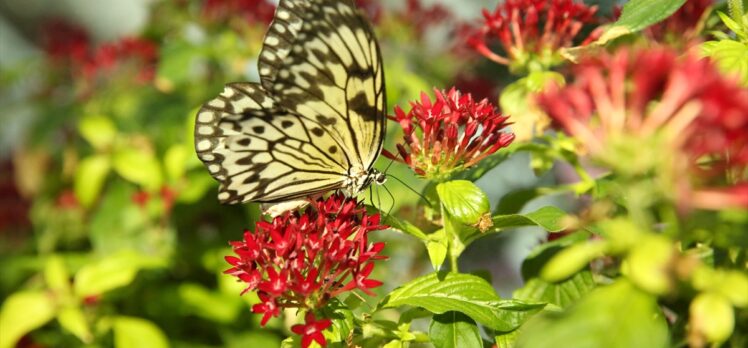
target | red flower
[
  {"x": 530, "y": 32},
  {"x": 69, "y": 44},
  {"x": 311, "y": 330},
  {"x": 63, "y": 41},
  {"x": 695, "y": 115},
  {"x": 454, "y": 132},
  {"x": 268, "y": 307},
  {"x": 683, "y": 25},
  {"x": 301, "y": 260}
]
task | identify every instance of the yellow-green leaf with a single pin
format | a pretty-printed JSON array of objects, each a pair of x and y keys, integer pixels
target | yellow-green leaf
[
  {"x": 89, "y": 178},
  {"x": 21, "y": 313}
]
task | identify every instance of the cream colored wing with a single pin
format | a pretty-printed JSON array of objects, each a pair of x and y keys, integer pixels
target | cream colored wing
[{"x": 321, "y": 61}]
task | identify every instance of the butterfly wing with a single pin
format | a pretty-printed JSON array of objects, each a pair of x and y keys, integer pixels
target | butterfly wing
[
  {"x": 318, "y": 113},
  {"x": 322, "y": 61},
  {"x": 262, "y": 153}
]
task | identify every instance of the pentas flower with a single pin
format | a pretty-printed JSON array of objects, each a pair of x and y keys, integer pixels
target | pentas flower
[
  {"x": 684, "y": 25},
  {"x": 451, "y": 133},
  {"x": 311, "y": 330},
  {"x": 695, "y": 118},
  {"x": 530, "y": 32},
  {"x": 302, "y": 260}
]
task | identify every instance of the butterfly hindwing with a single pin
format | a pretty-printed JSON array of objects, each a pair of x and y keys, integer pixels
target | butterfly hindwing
[{"x": 262, "y": 153}]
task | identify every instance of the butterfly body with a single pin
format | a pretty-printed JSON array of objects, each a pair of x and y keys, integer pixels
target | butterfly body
[{"x": 316, "y": 121}]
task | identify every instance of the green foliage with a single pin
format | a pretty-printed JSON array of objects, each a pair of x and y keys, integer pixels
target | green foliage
[
  {"x": 636, "y": 321},
  {"x": 443, "y": 292},
  {"x": 125, "y": 242}
]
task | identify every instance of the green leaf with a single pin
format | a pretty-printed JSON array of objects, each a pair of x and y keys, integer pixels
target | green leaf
[
  {"x": 541, "y": 254},
  {"x": 514, "y": 201},
  {"x": 56, "y": 275},
  {"x": 571, "y": 260},
  {"x": 213, "y": 306},
  {"x": 112, "y": 272},
  {"x": 507, "y": 340},
  {"x": 175, "y": 161},
  {"x": 89, "y": 178},
  {"x": 453, "y": 330},
  {"x": 730, "y": 57},
  {"x": 404, "y": 227},
  {"x": 130, "y": 332},
  {"x": 71, "y": 318},
  {"x": 712, "y": 316},
  {"x": 139, "y": 166},
  {"x": 732, "y": 284},
  {"x": 342, "y": 321},
  {"x": 468, "y": 294},
  {"x": 613, "y": 316},
  {"x": 732, "y": 24},
  {"x": 98, "y": 130},
  {"x": 561, "y": 294},
  {"x": 639, "y": 14},
  {"x": 463, "y": 200},
  {"x": 21, "y": 313},
  {"x": 437, "y": 247},
  {"x": 649, "y": 263},
  {"x": 550, "y": 218}
]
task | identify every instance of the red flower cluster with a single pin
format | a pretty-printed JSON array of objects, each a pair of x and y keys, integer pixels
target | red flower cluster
[
  {"x": 454, "y": 132},
  {"x": 69, "y": 45},
  {"x": 252, "y": 10},
  {"x": 683, "y": 25},
  {"x": 700, "y": 114},
  {"x": 301, "y": 260},
  {"x": 531, "y": 31}
]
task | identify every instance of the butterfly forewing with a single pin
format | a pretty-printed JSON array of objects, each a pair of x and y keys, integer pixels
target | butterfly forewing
[
  {"x": 318, "y": 112},
  {"x": 331, "y": 73}
]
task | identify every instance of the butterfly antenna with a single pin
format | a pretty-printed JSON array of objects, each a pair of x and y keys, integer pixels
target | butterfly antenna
[
  {"x": 410, "y": 188},
  {"x": 379, "y": 200},
  {"x": 392, "y": 198},
  {"x": 388, "y": 166}
]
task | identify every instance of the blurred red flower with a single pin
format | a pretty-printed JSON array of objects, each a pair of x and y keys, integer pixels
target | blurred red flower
[
  {"x": 453, "y": 132},
  {"x": 683, "y": 26},
  {"x": 65, "y": 42},
  {"x": 531, "y": 31},
  {"x": 700, "y": 116},
  {"x": 68, "y": 47},
  {"x": 301, "y": 260}
]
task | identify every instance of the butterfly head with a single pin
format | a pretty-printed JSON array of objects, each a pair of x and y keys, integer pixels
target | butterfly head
[{"x": 359, "y": 179}]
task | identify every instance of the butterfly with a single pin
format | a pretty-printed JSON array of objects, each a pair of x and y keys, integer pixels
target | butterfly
[{"x": 315, "y": 122}]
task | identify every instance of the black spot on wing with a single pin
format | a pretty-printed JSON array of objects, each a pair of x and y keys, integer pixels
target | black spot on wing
[{"x": 360, "y": 104}]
